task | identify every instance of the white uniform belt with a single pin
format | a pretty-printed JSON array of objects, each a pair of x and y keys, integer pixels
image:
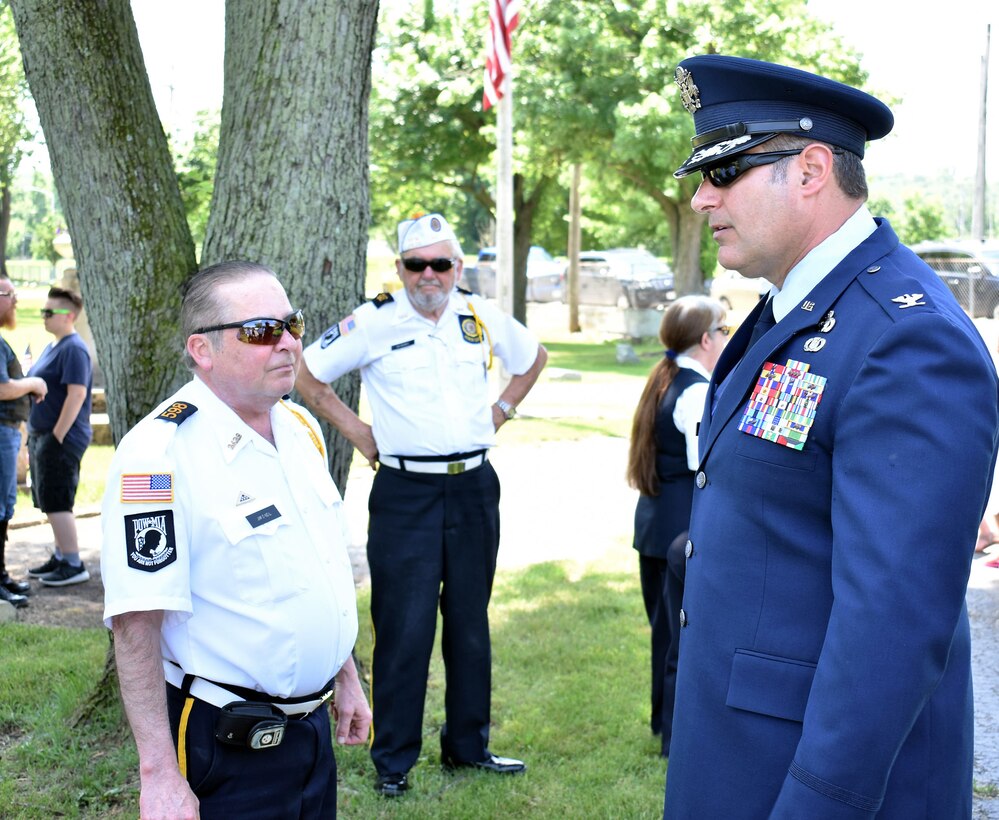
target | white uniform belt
[
  {"x": 219, "y": 697},
  {"x": 442, "y": 466}
]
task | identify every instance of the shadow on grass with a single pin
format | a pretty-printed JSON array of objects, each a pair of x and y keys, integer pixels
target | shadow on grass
[{"x": 570, "y": 696}]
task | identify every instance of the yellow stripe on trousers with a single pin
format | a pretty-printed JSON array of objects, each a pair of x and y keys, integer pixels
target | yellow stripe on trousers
[{"x": 182, "y": 736}]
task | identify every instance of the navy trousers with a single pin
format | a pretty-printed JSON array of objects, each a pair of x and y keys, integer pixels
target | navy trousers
[
  {"x": 432, "y": 541},
  {"x": 293, "y": 781}
]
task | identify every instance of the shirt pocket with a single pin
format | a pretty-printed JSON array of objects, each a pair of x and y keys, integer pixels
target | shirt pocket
[
  {"x": 409, "y": 368},
  {"x": 263, "y": 570}
]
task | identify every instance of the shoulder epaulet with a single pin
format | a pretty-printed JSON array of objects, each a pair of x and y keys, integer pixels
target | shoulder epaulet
[
  {"x": 463, "y": 291},
  {"x": 382, "y": 299},
  {"x": 178, "y": 412}
]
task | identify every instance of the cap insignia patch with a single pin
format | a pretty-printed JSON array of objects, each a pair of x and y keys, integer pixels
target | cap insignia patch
[
  {"x": 690, "y": 95},
  {"x": 435, "y": 224}
]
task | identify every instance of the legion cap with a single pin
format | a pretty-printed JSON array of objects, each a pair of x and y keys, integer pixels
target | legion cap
[
  {"x": 422, "y": 231},
  {"x": 738, "y": 103}
]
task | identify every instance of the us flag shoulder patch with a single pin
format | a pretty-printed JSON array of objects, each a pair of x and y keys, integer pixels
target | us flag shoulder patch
[{"x": 139, "y": 488}]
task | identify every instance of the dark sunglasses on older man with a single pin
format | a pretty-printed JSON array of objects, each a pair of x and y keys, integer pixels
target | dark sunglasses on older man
[
  {"x": 263, "y": 331},
  {"x": 439, "y": 265}
]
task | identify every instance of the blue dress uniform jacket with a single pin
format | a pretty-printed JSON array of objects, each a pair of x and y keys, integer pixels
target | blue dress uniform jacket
[{"x": 825, "y": 661}]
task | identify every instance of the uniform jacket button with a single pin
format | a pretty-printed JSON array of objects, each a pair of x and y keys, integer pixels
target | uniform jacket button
[
  {"x": 700, "y": 479},
  {"x": 688, "y": 550},
  {"x": 683, "y": 618}
]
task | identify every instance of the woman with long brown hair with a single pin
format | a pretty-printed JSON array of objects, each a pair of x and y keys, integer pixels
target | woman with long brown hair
[{"x": 661, "y": 464}]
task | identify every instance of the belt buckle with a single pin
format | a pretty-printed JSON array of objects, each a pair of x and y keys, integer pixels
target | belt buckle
[{"x": 455, "y": 467}]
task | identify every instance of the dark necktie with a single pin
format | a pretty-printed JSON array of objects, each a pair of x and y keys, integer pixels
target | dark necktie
[{"x": 763, "y": 324}]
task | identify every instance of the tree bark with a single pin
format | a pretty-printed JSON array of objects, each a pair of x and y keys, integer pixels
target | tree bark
[
  {"x": 291, "y": 184},
  {"x": 115, "y": 177}
]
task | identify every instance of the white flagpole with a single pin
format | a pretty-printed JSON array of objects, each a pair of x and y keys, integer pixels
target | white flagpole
[{"x": 504, "y": 197}]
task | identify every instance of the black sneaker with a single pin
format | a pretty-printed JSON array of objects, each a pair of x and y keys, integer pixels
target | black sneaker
[
  {"x": 12, "y": 598},
  {"x": 44, "y": 569},
  {"x": 65, "y": 574}
]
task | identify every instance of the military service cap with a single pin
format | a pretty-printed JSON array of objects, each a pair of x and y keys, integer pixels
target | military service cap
[{"x": 738, "y": 103}]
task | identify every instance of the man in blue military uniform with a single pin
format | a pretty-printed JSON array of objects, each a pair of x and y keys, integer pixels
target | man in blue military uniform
[
  {"x": 433, "y": 532},
  {"x": 846, "y": 454}
]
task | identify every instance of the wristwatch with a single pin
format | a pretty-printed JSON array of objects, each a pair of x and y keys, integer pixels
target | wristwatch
[{"x": 508, "y": 409}]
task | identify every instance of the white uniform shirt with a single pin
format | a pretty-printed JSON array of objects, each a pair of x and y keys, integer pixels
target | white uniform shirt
[
  {"x": 690, "y": 406},
  {"x": 426, "y": 382},
  {"x": 249, "y": 558}
]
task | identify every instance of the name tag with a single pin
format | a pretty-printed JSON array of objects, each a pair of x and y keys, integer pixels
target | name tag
[
  {"x": 401, "y": 345},
  {"x": 261, "y": 517}
]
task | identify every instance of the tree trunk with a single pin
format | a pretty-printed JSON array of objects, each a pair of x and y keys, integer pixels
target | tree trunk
[
  {"x": 291, "y": 185},
  {"x": 4, "y": 227},
  {"x": 524, "y": 208},
  {"x": 115, "y": 178},
  {"x": 685, "y": 229}
]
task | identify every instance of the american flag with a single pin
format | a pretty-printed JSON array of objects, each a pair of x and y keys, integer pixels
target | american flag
[
  {"x": 139, "y": 487},
  {"x": 503, "y": 18}
]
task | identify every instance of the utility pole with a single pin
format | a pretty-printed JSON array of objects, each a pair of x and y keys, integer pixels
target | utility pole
[{"x": 978, "y": 206}]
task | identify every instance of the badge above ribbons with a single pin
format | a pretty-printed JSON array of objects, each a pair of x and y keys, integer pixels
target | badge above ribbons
[{"x": 782, "y": 407}]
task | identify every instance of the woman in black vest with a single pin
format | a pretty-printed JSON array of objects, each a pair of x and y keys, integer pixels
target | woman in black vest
[{"x": 661, "y": 465}]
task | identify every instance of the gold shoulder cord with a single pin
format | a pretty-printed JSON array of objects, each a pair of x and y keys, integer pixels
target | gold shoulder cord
[
  {"x": 480, "y": 327},
  {"x": 312, "y": 433}
]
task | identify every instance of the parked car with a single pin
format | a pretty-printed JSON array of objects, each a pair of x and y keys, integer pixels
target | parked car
[
  {"x": 961, "y": 263},
  {"x": 545, "y": 275},
  {"x": 736, "y": 292},
  {"x": 625, "y": 277}
]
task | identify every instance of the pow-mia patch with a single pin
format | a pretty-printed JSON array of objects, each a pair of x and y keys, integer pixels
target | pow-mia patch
[
  {"x": 341, "y": 328},
  {"x": 178, "y": 412},
  {"x": 150, "y": 541},
  {"x": 383, "y": 299},
  {"x": 470, "y": 329},
  {"x": 330, "y": 336}
]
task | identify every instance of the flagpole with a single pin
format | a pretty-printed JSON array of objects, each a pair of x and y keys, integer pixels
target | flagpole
[{"x": 504, "y": 198}]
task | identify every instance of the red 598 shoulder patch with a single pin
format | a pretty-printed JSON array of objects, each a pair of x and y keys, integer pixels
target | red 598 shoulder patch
[{"x": 150, "y": 541}]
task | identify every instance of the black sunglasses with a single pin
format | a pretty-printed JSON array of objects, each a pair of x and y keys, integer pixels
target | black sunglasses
[
  {"x": 416, "y": 265},
  {"x": 729, "y": 170},
  {"x": 48, "y": 313},
  {"x": 263, "y": 331}
]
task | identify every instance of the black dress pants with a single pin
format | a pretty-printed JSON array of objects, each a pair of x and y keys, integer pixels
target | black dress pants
[{"x": 432, "y": 541}]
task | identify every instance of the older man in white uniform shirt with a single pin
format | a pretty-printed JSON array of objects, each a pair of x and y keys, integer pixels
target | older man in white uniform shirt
[
  {"x": 226, "y": 573},
  {"x": 433, "y": 536}
]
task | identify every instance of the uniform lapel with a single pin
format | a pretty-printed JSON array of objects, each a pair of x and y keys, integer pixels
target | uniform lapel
[{"x": 743, "y": 366}]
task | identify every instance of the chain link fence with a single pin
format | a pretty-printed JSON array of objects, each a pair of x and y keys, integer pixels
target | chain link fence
[{"x": 976, "y": 290}]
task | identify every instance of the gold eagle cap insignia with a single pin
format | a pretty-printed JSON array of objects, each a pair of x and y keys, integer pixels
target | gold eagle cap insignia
[{"x": 690, "y": 95}]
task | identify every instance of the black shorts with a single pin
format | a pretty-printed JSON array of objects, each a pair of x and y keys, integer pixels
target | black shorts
[{"x": 55, "y": 473}]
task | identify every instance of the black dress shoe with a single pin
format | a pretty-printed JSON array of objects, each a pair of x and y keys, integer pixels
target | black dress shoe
[
  {"x": 11, "y": 598},
  {"x": 392, "y": 785},
  {"x": 17, "y": 587},
  {"x": 493, "y": 763}
]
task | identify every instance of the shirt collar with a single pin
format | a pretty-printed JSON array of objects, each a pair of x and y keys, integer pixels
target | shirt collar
[
  {"x": 692, "y": 364},
  {"x": 231, "y": 432},
  {"x": 407, "y": 312},
  {"x": 820, "y": 260}
]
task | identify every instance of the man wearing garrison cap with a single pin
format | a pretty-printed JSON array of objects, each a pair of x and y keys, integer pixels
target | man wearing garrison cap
[
  {"x": 846, "y": 452},
  {"x": 424, "y": 354}
]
